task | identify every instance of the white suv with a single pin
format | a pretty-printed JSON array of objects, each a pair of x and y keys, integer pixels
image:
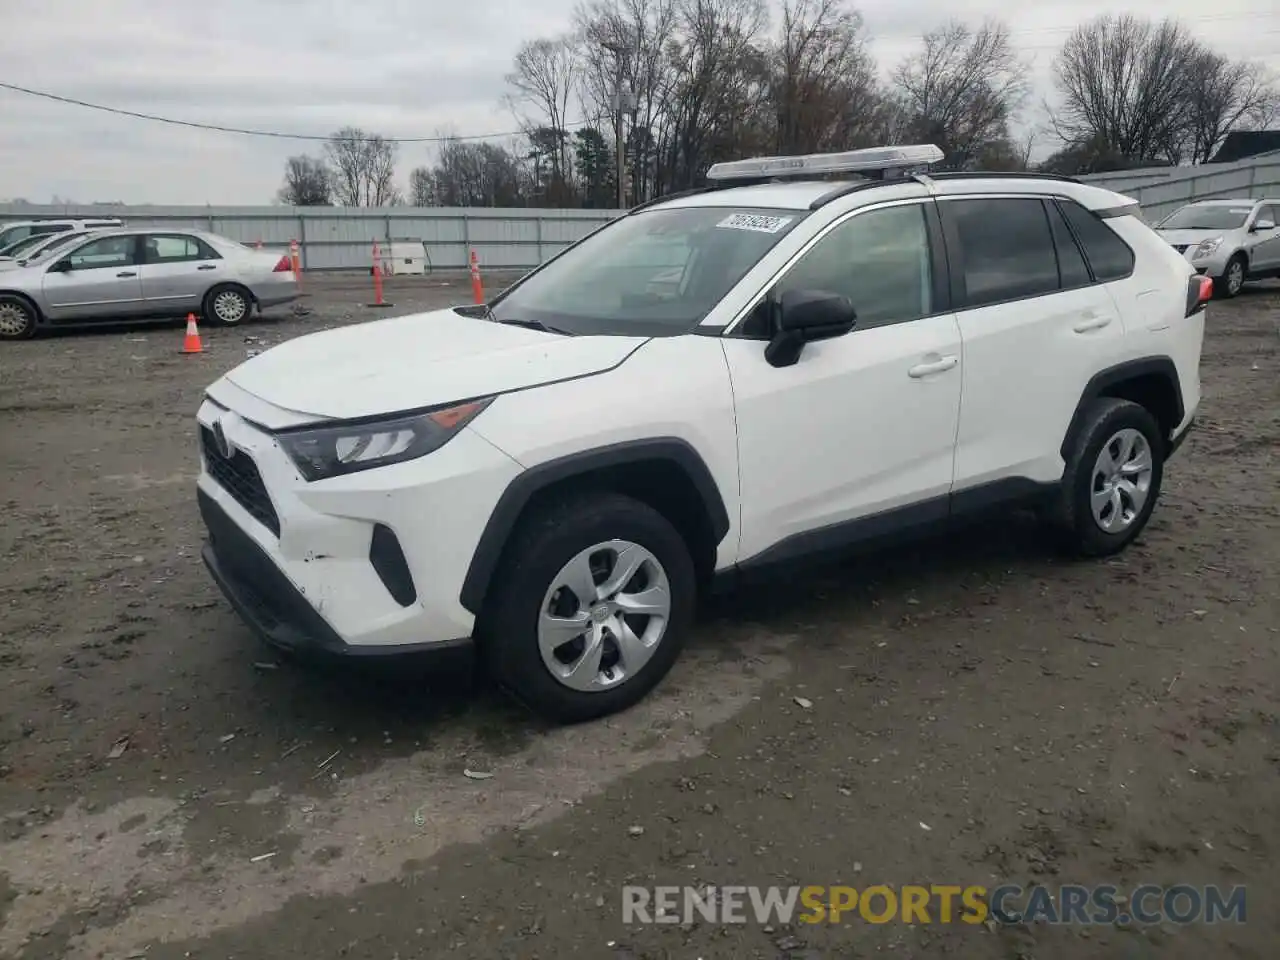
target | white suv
[{"x": 717, "y": 384}]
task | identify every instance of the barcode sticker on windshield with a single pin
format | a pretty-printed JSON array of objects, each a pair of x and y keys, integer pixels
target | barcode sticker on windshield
[{"x": 754, "y": 221}]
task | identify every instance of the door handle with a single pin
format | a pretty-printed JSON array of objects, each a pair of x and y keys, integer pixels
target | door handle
[
  {"x": 207, "y": 266},
  {"x": 127, "y": 273},
  {"x": 933, "y": 366},
  {"x": 1092, "y": 321}
]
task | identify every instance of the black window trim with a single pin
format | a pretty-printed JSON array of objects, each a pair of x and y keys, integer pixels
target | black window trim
[
  {"x": 939, "y": 267},
  {"x": 1048, "y": 203},
  {"x": 959, "y": 292},
  {"x": 1084, "y": 248},
  {"x": 138, "y": 252},
  {"x": 201, "y": 246}
]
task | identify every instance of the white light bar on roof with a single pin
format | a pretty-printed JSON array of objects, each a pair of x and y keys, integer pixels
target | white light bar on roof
[{"x": 851, "y": 161}]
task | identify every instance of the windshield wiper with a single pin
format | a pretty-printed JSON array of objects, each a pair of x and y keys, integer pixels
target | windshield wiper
[{"x": 530, "y": 325}]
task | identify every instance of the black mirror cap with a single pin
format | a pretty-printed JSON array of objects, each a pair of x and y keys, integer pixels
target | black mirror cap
[{"x": 816, "y": 314}]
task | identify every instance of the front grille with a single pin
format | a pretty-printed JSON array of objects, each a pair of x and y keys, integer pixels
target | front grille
[{"x": 239, "y": 476}]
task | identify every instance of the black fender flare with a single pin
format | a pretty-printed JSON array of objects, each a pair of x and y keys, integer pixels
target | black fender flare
[
  {"x": 506, "y": 514},
  {"x": 1100, "y": 382}
]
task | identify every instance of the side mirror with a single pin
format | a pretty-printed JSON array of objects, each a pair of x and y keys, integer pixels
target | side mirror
[
  {"x": 1260, "y": 226},
  {"x": 804, "y": 316}
]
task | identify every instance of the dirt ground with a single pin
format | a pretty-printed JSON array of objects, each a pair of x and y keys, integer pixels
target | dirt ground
[{"x": 972, "y": 711}]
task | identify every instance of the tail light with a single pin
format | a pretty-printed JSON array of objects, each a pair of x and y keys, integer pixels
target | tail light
[
  {"x": 283, "y": 266},
  {"x": 1199, "y": 292}
]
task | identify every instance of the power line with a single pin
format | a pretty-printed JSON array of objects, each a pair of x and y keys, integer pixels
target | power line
[
  {"x": 282, "y": 135},
  {"x": 245, "y": 131}
]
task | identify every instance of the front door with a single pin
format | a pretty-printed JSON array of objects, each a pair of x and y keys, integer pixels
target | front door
[
  {"x": 96, "y": 280},
  {"x": 176, "y": 271},
  {"x": 831, "y": 447},
  {"x": 1264, "y": 252}
]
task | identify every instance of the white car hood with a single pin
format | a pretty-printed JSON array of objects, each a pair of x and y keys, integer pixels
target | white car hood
[{"x": 421, "y": 360}]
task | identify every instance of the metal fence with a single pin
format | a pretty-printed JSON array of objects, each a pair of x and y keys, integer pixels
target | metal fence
[
  {"x": 1161, "y": 190},
  {"x": 338, "y": 238}
]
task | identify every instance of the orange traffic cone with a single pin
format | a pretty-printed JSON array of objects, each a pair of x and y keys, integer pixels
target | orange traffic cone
[{"x": 191, "y": 342}]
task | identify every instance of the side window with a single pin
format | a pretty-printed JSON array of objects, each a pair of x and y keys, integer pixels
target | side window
[
  {"x": 176, "y": 248},
  {"x": 878, "y": 259},
  {"x": 107, "y": 252},
  {"x": 1071, "y": 266},
  {"x": 1006, "y": 248},
  {"x": 15, "y": 234},
  {"x": 1109, "y": 257},
  {"x": 1266, "y": 213}
]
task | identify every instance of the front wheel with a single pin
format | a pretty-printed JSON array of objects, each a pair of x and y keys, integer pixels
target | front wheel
[
  {"x": 1232, "y": 280},
  {"x": 227, "y": 306},
  {"x": 17, "y": 318},
  {"x": 1112, "y": 480},
  {"x": 593, "y": 603}
]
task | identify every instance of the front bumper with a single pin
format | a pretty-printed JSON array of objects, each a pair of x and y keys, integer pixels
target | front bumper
[
  {"x": 271, "y": 605},
  {"x": 367, "y": 563}
]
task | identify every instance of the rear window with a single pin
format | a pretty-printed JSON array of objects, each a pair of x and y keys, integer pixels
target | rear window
[{"x": 1109, "y": 257}]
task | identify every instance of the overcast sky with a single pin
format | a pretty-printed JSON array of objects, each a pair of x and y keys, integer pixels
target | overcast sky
[{"x": 401, "y": 68}]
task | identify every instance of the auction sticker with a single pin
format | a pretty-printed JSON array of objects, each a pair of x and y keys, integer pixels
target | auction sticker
[{"x": 754, "y": 221}]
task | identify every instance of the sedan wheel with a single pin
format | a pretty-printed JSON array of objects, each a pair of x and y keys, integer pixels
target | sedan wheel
[
  {"x": 17, "y": 319},
  {"x": 229, "y": 307}
]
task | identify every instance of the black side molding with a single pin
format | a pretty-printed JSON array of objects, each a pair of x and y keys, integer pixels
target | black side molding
[
  {"x": 1100, "y": 382},
  {"x": 522, "y": 489}
]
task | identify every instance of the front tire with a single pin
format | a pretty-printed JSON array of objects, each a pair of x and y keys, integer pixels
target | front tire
[
  {"x": 1232, "y": 280},
  {"x": 593, "y": 602},
  {"x": 1112, "y": 479},
  {"x": 18, "y": 318},
  {"x": 227, "y": 306}
]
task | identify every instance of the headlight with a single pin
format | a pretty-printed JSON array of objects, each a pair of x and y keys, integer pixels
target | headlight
[
  {"x": 1207, "y": 248},
  {"x": 323, "y": 452}
]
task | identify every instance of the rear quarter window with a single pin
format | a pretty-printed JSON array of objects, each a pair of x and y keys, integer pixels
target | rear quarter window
[{"x": 1109, "y": 257}]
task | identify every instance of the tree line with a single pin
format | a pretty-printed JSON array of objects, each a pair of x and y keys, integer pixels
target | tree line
[{"x": 683, "y": 84}]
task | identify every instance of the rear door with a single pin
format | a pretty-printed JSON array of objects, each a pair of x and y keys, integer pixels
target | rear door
[
  {"x": 97, "y": 280},
  {"x": 1035, "y": 325},
  {"x": 177, "y": 269}
]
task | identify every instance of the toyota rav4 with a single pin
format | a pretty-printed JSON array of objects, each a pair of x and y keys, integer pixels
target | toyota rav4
[{"x": 713, "y": 385}]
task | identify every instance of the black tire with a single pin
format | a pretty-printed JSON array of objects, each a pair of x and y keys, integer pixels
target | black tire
[
  {"x": 1072, "y": 515},
  {"x": 20, "y": 316},
  {"x": 1221, "y": 285},
  {"x": 237, "y": 294},
  {"x": 540, "y": 547}
]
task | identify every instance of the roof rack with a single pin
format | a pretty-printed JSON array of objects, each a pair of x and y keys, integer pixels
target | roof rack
[
  {"x": 900, "y": 161},
  {"x": 1005, "y": 174}
]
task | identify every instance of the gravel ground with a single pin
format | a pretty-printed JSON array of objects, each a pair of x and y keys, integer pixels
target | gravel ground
[{"x": 168, "y": 789}]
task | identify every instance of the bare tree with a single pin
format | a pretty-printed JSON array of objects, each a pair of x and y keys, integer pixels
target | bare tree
[
  {"x": 825, "y": 93},
  {"x": 1222, "y": 96},
  {"x": 962, "y": 89},
  {"x": 543, "y": 84},
  {"x": 363, "y": 167},
  {"x": 422, "y": 187},
  {"x": 1122, "y": 84},
  {"x": 307, "y": 183}
]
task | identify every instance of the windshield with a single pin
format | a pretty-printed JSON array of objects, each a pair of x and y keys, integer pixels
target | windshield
[
  {"x": 26, "y": 243},
  {"x": 51, "y": 247},
  {"x": 654, "y": 273},
  {"x": 1202, "y": 216}
]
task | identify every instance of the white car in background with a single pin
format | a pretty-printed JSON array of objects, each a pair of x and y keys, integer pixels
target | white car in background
[
  {"x": 38, "y": 246},
  {"x": 21, "y": 229}
]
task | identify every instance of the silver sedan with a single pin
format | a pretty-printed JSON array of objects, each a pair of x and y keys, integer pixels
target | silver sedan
[{"x": 139, "y": 274}]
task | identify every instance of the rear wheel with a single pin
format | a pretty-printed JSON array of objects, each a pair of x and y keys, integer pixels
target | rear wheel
[
  {"x": 592, "y": 606},
  {"x": 227, "y": 306},
  {"x": 17, "y": 318},
  {"x": 1112, "y": 481}
]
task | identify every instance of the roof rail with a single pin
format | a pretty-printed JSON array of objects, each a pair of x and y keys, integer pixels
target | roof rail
[
  {"x": 880, "y": 159},
  {"x": 844, "y": 189},
  {"x": 994, "y": 174}
]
